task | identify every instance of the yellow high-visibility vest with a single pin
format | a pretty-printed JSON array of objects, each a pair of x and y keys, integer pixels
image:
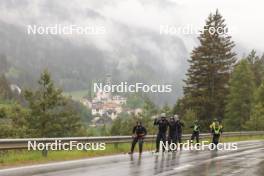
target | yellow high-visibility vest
[{"x": 213, "y": 125}]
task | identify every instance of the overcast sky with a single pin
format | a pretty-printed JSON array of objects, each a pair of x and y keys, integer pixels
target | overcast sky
[
  {"x": 244, "y": 17},
  {"x": 131, "y": 23}
]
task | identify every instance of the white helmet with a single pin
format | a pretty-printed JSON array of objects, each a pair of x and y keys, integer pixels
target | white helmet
[
  {"x": 163, "y": 115},
  {"x": 176, "y": 117}
]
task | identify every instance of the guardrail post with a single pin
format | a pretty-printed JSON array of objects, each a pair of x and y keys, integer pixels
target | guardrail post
[
  {"x": 116, "y": 146},
  {"x": 44, "y": 153},
  {"x": 1, "y": 156}
]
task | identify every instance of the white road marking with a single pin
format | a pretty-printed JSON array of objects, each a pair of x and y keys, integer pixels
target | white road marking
[{"x": 184, "y": 167}]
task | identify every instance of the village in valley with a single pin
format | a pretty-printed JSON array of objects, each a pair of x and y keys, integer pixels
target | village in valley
[{"x": 106, "y": 106}]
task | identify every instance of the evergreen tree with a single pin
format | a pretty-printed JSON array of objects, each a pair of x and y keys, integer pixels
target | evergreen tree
[
  {"x": 167, "y": 110},
  {"x": 179, "y": 108},
  {"x": 51, "y": 114},
  {"x": 103, "y": 131},
  {"x": 257, "y": 67},
  {"x": 127, "y": 124},
  {"x": 188, "y": 119},
  {"x": 209, "y": 71},
  {"x": 134, "y": 101},
  {"x": 240, "y": 98},
  {"x": 149, "y": 111},
  {"x": 259, "y": 96},
  {"x": 116, "y": 126},
  {"x": 13, "y": 118},
  {"x": 256, "y": 121}
]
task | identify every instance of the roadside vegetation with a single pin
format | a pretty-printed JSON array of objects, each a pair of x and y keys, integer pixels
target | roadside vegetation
[{"x": 24, "y": 157}]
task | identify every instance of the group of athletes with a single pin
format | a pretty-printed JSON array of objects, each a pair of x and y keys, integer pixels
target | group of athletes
[{"x": 174, "y": 126}]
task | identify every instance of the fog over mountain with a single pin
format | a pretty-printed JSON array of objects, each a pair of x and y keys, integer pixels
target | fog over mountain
[{"x": 131, "y": 49}]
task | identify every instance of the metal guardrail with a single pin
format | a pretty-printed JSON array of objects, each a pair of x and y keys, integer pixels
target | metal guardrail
[{"x": 12, "y": 144}]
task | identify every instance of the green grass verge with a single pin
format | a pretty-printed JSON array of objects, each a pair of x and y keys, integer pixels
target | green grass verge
[{"x": 25, "y": 157}]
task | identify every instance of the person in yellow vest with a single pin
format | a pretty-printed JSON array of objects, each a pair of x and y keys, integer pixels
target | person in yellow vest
[
  {"x": 216, "y": 130},
  {"x": 196, "y": 131},
  {"x": 213, "y": 124}
]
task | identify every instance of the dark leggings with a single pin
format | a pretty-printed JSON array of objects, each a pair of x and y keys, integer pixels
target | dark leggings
[
  {"x": 195, "y": 134},
  {"x": 140, "y": 144},
  {"x": 216, "y": 138},
  {"x": 172, "y": 138},
  {"x": 160, "y": 137}
]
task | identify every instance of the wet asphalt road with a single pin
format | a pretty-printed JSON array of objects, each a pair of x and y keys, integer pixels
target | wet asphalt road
[{"x": 247, "y": 160}]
